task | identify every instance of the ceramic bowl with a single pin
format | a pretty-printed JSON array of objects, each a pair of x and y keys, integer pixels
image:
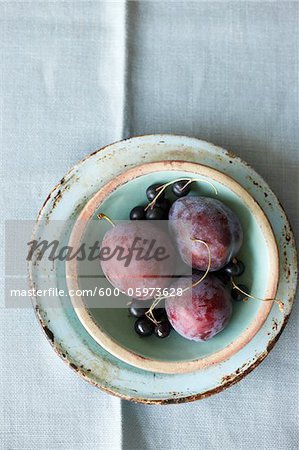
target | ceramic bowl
[{"x": 112, "y": 328}]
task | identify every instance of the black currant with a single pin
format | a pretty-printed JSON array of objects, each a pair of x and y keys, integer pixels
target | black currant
[
  {"x": 152, "y": 192},
  {"x": 163, "y": 204},
  {"x": 179, "y": 190},
  {"x": 136, "y": 310},
  {"x": 160, "y": 313},
  {"x": 137, "y": 213},
  {"x": 156, "y": 213},
  {"x": 235, "y": 268},
  {"x": 162, "y": 329},
  {"x": 237, "y": 295},
  {"x": 144, "y": 327},
  {"x": 223, "y": 276}
]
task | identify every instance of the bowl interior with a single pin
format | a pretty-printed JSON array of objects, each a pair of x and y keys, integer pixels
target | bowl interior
[{"x": 116, "y": 321}]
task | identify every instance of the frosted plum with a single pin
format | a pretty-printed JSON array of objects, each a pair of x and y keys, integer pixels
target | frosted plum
[
  {"x": 201, "y": 312},
  {"x": 210, "y": 220},
  {"x": 136, "y": 271}
]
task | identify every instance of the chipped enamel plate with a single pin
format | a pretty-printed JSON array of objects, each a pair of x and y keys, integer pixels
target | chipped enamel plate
[{"x": 61, "y": 324}]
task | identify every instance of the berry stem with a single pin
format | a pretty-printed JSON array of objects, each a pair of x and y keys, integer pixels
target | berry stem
[
  {"x": 102, "y": 216},
  {"x": 279, "y": 302},
  {"x": 157, "y": 300},
  {"x": 209, "y": 264},
  {"x": 164, "y": 186},
  {"x": 150, "y": 315}
]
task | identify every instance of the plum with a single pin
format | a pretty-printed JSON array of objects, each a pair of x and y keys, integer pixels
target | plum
[
  {"x": 210, "y": 220},
  {"x": 137, "y": 257},
  {"x": 201, "y": 312}
]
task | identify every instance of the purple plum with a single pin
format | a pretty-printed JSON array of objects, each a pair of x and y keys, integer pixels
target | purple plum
[
  {"x": 137, "y": 257},
  {"x": 200, "y": 312},
  {"x": 209, "y": 220}
]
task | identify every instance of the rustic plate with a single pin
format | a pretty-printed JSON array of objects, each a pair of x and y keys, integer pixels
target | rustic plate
[{"x": 60, "y": 322}]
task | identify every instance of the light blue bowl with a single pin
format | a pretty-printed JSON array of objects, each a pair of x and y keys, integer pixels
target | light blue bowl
[{"x": 113, "y": 327}]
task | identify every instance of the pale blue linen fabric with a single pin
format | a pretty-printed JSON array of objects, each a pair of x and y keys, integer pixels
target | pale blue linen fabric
[
  {"x": 77, "y": 75},
  {"x": 62, "y": 67}
]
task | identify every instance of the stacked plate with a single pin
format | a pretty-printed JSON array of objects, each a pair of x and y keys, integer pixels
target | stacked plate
[{"x": 100, "y": 344}]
